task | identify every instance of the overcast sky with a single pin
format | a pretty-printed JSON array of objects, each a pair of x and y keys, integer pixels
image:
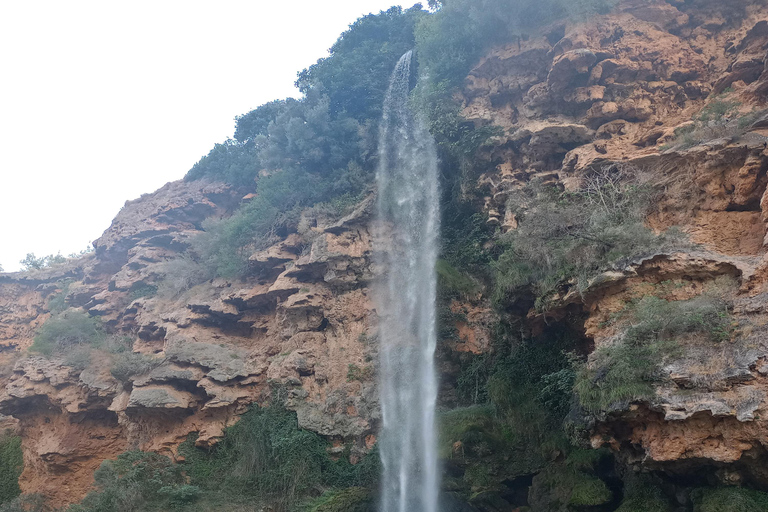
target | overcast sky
[{"x": 102, "y": 101}]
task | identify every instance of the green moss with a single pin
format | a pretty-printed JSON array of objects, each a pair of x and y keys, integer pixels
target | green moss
[
  {"x": 589, "y": 491},
  {"x": 453, "y": 281},
  {"x": 560, "y": 487},
  {"x": 729, "y": 499},
  {"x": 641, "y": 496}
]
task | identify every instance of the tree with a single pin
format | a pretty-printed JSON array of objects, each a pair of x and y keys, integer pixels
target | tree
[{"x": 32, "y": 262}]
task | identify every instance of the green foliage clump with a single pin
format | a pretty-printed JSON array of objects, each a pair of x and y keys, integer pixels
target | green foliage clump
[
  {"x": 11, "y": 464},
  {"x": 138, "y": 481},
  {"x": 26, "y": 503},
  {"x": 356, "y": 74},
  {"x": 454, "y": 282},
  {"x": 520, "y": 406},
  {"x": 226, "y": 244},
  {"x": 352, "y": 499},
  {"x": 230, "y": 161},
  {"x": 128, "y": 364},
  {"x": 32, "y": 262},
  {"x": 266, "y": 457},
  {"x": 719, "y": 119},
  {"x": 729, "y": 499},
  {"x": 58, "y": 302},
  {"x": 652, "y": 328},
  {"x": 453, "y": 38},
  {"x": 355, "y": 372},
  {"x": 570, "y": 237},
  {"x": 141, "y": 290},
  {"x": 66, "y": 331},
  {"x": 640, "y": 495},
  {"x": 571, "y": 484}
]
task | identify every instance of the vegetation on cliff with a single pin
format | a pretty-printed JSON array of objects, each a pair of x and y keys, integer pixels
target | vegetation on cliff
[
  {"x": 11, "y": 464},
  {"x": 265, "y": 459}
]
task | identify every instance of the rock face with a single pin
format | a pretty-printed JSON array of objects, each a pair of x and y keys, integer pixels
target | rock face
[
  {"x": 618, "y": 90},
  {"x": 215, "y": 348}
]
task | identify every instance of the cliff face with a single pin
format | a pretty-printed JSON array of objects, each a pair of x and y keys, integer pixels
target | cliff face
[
  {"x": 302, "y": 330},
  {"x": 620, "y": 90},
  {"x": 303, "y": 326}
]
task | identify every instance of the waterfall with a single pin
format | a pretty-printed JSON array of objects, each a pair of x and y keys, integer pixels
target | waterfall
[{"x": 406, "y": 250}]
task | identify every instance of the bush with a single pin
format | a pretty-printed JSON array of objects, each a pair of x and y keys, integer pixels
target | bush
[
  {"x": 719, "y": 119},
  {"x": 652, "y": 327},
  {"x": 640, "y": 495},
  {"x": 67, "y": 330},
  {"x": 267, "y": 457},
  {"x": 225, "y": 246},
  {"x": 453, "y": 282},
  {"x": 570, "y": 237},
  {"x": 32, "y": 262},
  {"x": 729, "y": 499},
  {"x": 25, "y": 503},
  {"x": 181, "y": 274},
  {"x": 363, "y": 374},
  {"x": 58, "y": 302},
  {"x": 138, "y": 481},
  {"x": 140, "y": 290},
  {"x": 11, "y": 464},
  {"x": 352, "y": 499},
  {"x": 79, "y": 358}
]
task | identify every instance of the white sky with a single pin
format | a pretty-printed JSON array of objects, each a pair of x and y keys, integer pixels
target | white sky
[{"x": 104, "y": 100}]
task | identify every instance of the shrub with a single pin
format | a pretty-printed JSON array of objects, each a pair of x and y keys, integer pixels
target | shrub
[
  {"x": 26, "y": 503},
  {"x": 128, "y": 364},
  {"x": 652, "y": 327},
  {"x": 640, "y": 495},
  {"x": 729, "y": 499},
  {"x": 79, "y": 358},
  {"x": 140, "y": 290},
  {"x": 58, "y": 303},
  {"x": 32, "y": 262},
  {"x": 719, "y": 119},
  {"x": 67, "y": 330},
  {"x": 569, "y": 237},
  {"x": 267, "y": 457},
  {"x": 11, "y": 464},
  {"x": 352, "y": 499},
  {"x": 138, "y": 481},
  {"x": 363, "y": 374},
  {"x": 225, "y": 246},
  {"x": 454, "y": 282},
  {"x": 181, "y": 274}
]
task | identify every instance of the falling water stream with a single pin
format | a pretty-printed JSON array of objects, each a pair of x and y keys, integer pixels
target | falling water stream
[{"x": 406, "y": 249}]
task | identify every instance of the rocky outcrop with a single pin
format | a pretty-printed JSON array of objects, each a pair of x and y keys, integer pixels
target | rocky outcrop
[
  {"x": 618, "y": 91},
  {"x": 293, "y": 332}
]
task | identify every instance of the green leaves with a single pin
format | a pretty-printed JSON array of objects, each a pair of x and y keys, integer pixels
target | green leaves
[{"x": 68, "y": 330}]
